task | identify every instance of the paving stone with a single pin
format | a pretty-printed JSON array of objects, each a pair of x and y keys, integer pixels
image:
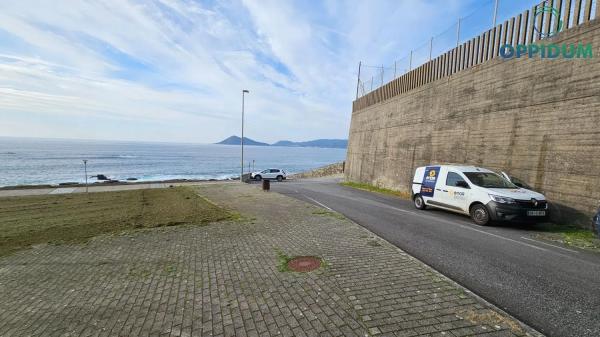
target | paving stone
[{"x": 222, "y": 279}]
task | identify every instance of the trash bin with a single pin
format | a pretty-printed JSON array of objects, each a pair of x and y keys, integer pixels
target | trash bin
[{"x": 266, "y": 184}]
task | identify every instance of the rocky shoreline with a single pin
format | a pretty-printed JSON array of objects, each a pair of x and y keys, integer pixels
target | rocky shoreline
[
  {"x": 325, "y": 171},
  {"x": 329, "y": 170},
  {"x": 111, "y": 183}
]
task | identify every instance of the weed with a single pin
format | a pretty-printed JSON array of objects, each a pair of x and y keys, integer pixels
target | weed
[
  {"x": 324, "y": 212},
  {"x": 569, "y": 235},
  {"x": 371, "y": 188},
  {"x": 490, "y": 317},
  {"x": 282, "y": 261},
  {"x": 373, "y": 243}
]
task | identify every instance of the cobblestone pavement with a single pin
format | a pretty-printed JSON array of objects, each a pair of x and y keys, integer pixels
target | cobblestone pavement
[{"x": 223, "y": 280}]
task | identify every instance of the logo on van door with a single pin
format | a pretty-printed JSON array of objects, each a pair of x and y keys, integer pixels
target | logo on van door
[{"x": 429, "y": 180}]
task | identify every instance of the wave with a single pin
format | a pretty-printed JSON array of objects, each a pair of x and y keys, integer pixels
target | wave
[
  {"x": 81, "y": 157},
  {"x": 165, "y": 177}
]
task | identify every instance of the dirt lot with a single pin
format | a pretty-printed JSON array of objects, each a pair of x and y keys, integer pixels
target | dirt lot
[{"x": 27, "y": 221}]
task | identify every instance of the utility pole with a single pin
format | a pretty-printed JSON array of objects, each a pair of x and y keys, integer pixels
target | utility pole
[
  {"x": 86, "y": 176},
  {"x": 410, "y": 61},
  {"x": 242, "y": 140},
  {"x": 382, "y": 75}
]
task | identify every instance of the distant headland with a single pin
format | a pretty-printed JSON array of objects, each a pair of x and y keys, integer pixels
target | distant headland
[{"x": 322, "y": 143}]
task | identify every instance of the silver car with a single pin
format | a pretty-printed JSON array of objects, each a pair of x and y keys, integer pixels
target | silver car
[{"x": 269, "y": 174}]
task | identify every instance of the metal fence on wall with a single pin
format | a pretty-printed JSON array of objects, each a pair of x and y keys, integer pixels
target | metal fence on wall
[{"x": 461, "y": 45}]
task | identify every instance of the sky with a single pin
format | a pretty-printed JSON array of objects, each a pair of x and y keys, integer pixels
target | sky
[{"x": 174, "y": 70}]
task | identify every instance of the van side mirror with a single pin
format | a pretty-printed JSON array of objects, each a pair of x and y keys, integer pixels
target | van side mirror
[{"x": 462, "y": 183}]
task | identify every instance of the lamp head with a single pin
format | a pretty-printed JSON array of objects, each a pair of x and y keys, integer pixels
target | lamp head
[{"x": 245, "y": 91}]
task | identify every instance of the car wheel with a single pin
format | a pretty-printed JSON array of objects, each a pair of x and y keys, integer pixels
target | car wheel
[
  {"x": 257, "y": 177},
  {"x": 480, "y": 215},
  {"x": 279, "y": 178},
  {"x": 419, "y": 202}
]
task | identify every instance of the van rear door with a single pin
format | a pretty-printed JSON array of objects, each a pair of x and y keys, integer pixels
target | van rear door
[{"x": 430, "y": 181}]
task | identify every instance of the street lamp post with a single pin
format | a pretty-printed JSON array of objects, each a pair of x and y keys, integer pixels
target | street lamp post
[
  {"x": 86, "y": 177},
  {"x": 242, "y": 140}
]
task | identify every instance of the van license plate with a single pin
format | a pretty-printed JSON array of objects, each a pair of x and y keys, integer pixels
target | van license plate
[{"x": 536, "y": 213}]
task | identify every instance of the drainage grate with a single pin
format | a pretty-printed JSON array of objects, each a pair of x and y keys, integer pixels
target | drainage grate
[{"x": 304, "y": 264}]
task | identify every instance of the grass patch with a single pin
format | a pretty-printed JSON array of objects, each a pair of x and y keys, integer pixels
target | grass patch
[
  {"x": 371, "y": 188},
  {"x": 75, "y": 218},
  {"x": 569, "y": 235},
  {"x": 373, "y": 243},
  {"x": 282, "y": 261},
  {"x": 492, "y": 318},
  {"x": 324, "y": 212}
]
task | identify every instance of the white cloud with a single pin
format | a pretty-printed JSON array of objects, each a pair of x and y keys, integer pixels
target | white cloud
[{"x": 173, "y": 70}]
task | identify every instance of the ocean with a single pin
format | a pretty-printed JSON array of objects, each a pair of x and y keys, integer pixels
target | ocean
[{"x": 28, "y": 161}]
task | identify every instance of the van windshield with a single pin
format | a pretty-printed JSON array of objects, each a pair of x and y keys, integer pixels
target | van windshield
[{"x": 489, "y": 180}]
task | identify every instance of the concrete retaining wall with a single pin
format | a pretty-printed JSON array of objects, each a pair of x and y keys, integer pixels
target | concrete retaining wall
[{"x": 538, "y": 119}]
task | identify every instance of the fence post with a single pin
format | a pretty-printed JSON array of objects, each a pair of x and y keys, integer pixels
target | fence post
[
  {"x": 566, "y": 15},
  {"x": 430, "y": 47},
  {"x": 577, "y": 13},
  {"x": 588, "y": 11},
  {"x": 358, "y": 81},
  {"x": 597, "y": 16},
  {"x": 495, "y": 13},
  {"x": 458, "y": 33},
  {"x": 547, "y": 20}
]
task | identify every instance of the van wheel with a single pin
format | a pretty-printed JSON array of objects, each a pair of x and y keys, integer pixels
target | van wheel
[
  {"x": 419, "y": 202},
  {"x": 480, "y": 215},
  {"x": 279, "y": 178},
  {"x": 257, "y": 177}
]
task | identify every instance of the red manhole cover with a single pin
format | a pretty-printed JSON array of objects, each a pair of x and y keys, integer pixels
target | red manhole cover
[{"x": 304, "y": 263}]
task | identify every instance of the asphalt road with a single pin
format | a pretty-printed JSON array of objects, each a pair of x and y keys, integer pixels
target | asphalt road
[{"x": 553, "y": 288}]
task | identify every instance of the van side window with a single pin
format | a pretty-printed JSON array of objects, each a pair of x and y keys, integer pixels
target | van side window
[{"x": 453, "y": 178}]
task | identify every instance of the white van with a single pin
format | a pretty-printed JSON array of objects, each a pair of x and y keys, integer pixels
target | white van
[{"x": 480, "y": 193}]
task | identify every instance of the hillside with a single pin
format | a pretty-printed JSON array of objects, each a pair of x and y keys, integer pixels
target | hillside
[
  {"x": 321, "y": 143},
  {"x": 235, "y": 140},
  {"x": 327, "y": 143}
]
